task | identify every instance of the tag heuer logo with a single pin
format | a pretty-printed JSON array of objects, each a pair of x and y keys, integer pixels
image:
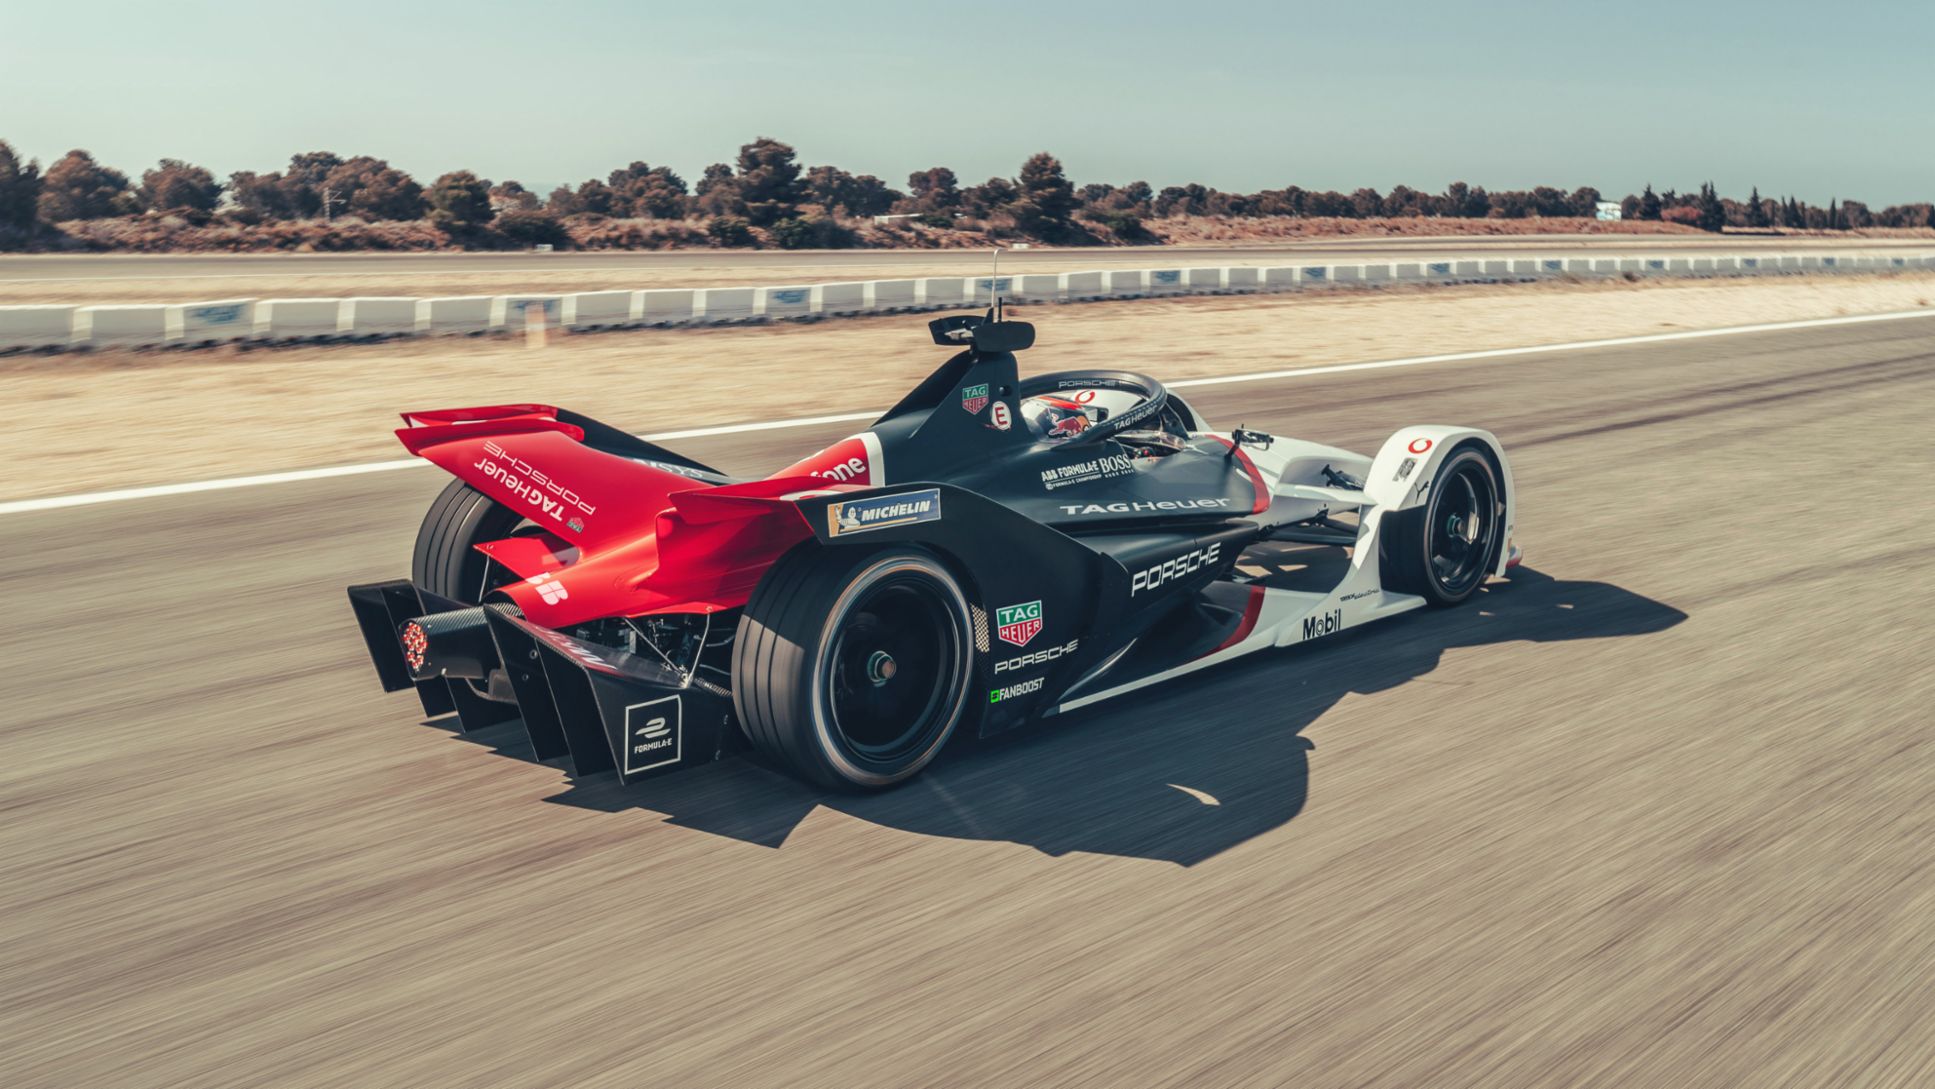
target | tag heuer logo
[
  {"x": 1018, "y": 623},
  {"x": 975, "y": 398}
]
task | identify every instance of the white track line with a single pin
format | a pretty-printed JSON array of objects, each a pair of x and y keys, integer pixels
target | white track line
[{"x": 22, "y": 506}]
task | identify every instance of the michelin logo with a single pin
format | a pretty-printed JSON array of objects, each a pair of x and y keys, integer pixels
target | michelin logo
[{"x": 883, "y": 511}]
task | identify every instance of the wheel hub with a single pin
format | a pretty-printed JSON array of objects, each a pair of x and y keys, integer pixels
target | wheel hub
[{"x": 880, "y": 668}]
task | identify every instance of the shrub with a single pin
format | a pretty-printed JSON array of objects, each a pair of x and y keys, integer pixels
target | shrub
[
  {"x": 531, "y": 227},
  {"x": 77, "y": 187},
  {"x": 934, "y": 219},
  {"x": 175, "y": 184},
  {"x": 729, "y": 231},
  {"x": 459, "y": 203},
  {"x": 816, "y": 233}
]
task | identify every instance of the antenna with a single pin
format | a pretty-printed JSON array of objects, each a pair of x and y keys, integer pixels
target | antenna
[{"x": 994, "y": 283}]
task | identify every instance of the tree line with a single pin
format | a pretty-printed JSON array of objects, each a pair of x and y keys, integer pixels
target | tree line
[{"x": 766, "y": 195}]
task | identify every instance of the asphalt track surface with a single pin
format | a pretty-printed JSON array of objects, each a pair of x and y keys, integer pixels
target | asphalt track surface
[
  {"x": 55, "y": 267},
  {"x": 1655, "y": 813}
]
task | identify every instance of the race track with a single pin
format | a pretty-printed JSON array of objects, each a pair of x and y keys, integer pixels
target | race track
[
  {"x": 1656, "y": 813},
  {"x": 79, "y": 268}
]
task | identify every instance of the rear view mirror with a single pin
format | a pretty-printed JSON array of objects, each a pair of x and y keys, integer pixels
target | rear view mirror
[{"x": 1003, "y": 336}]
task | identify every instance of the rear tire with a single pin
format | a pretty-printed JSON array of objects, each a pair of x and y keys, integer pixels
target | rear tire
[
  {"x": 1444, "y": 550},
  {"x": 853, "y": 667},
  {"x": 446, "y": 561}
]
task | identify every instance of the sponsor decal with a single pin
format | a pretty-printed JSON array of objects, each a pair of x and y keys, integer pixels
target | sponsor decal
[
  {"x": 669, "y": 467},
  {"x": 217, "y": 315},
  {"x": 1083, "y": 397},
  {"x": 1039, "y": 657},
  {"x": 1360, "y": 594},
  {"x": 1322, "y": 624},
  {"x": 1019, "y": 688},
  {"x": 1143, "y": 506},
  {"x": 1018, "y": 624},
  {"x": 883, "y": 511},
  {"x": 1404, "y": 469},
  {"x": 1419, "y": 445},
  {"x": 1084, "y": 472},
  {"x": 1174, "y": 568},
  {"x": 549, "y": 588},
  {"x": 849, "y": 461},
  {"x": 544, "y": 496},
  {"x": 974, "y": 398},
  {"x": 575, "y": 525},
  {"x": 653, "y": 731},
  {"x": 1068, "y": 427},
  {"x": 1001, "y": 417}
]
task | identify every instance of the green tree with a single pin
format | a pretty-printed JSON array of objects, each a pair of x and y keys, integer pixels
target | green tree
[
  {"x": 374, "y": 189},
  {"x": 176, "y": 184},
  {"x": 935, "y": 189},
  {"x": 769, "y": 181},
  {"x": 306, "y": 179},
  {"x": 1757, "y": 210},
  {"x": 1047, "y": 202},
  {"x": 260, "y": 196},
  {"x": 643, "y": 191},
  {"x": 460, "y": 202},
  {"x": 511, "y": 196},
  {"x": 1649, "y": 203},
  {"x": 77, "y": 187},
  {"x": 1713, "y": 216},
  {"x": 19, "y": 190}
]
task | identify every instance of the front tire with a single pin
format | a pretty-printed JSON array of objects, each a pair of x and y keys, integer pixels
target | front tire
[
  {"x": 1444, "y": 550},
  {"x": 853, "y": 667}
]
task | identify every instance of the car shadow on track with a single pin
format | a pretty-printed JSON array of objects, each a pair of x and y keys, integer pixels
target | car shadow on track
[{"x": 1179, "y": 773}]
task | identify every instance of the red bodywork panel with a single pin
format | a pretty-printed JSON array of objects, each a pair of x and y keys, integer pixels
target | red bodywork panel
[{"x": 618, "y": 538}]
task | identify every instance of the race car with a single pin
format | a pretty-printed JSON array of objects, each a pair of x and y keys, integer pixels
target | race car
[{"x": 991, "y": 552}]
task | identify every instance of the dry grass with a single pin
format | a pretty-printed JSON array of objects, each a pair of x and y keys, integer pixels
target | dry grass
[{"x": 116, "y": 419}]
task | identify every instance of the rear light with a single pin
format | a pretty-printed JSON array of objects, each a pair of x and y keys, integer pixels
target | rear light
[{"x": 415, "y": 646}]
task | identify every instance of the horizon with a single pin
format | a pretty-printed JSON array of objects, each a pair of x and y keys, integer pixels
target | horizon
[{"x": 1418, "y": 96}]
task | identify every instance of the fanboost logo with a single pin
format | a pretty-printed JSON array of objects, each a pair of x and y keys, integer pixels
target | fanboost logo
[
  {"x": 1018, "y": 623},
  {"x": 549, "y": 588}
]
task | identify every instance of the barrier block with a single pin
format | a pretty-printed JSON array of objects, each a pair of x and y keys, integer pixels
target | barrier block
[
  {"x": 1084, "y": 285},
  {"x": 1346, "y": 274},
  {"x": 1822, "y": 262},
  {"x": 1038, "y": 287},
  {"x": 1792, "y": 260},
  {"x": 453, "y": 315},
  {"x": 1468, "y": 270},
  {"x": 1655, "y": 264},
  {"x": 985, "y": 288},
  {"x": 600, "y": 309},
  {"x": 890, "y": 295},
  {"x": 190, "y": 324},
  {"x": 508, "y": 312},
  {"x": 1726, "y": 265},
  {"x": 36, "y": 327},
  {"x": 778, "y": 303},
  {"x": 943, "y": 291},
  {"x": 1314, "y": 274},
  {"x": 1703, "y": 265},
  {"x": 1377, "y": 274},
  {"x": 1605, "y": 266},
  {"x": 1579, "y": 266},
  {"x": 1750, "y": 264},
  {"x": 667, "y": 305},
  {"x": 1129, "y": 282},
  {"x": 1166, "y": 281},
  {"x": 374, "y": 316},
  {"x": 120, "y": 326},
  {"x": 1552, "y": 266},
  {"x": 1678, "y": 266},
  {"x": 1495, "y": 269},
  {"x": 297, "y": 319},
  {"x": 1525, "y": 266},
  {"x": 1242, "y": 278},
  {"x": 716, "y": 304},
  {"x": 1280, "y": 278},
  {"x": 1438, "y": 270},
  {"x": 1203, "y": 281},
  {"x": 1631, "y": 264},
  {"x": 849, "y": 297},
  {"x": 1897, "y": 262}
]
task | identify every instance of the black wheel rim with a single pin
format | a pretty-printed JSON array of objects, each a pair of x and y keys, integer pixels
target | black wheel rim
[
  {"x": 893, "y": 668},
  {"x": 1463, "y": 524}
]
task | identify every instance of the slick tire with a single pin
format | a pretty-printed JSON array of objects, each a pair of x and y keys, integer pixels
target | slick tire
[
  {"x": 445, "y": 562},
  {"x": 851, "y": 667},
  {"x": 1443, "y": 549}
]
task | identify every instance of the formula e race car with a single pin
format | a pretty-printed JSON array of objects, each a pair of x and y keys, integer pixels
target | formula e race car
[{"x": 992, "y": 551}]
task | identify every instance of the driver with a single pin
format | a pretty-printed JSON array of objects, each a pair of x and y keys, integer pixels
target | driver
[{"x": 1056, "y": 419}]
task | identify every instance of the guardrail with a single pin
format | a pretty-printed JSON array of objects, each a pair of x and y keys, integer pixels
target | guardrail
[{"x": 286, "y": 321}]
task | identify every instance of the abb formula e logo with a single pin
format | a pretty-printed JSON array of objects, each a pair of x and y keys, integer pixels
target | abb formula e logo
[
  {"x": 549, "y": 588},
  {"x": 1018, "y": 624},
  {"x": 1172, "y": 569}
]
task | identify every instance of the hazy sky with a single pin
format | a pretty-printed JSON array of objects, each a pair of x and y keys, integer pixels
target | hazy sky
[{"x": 1812, "y": 99}]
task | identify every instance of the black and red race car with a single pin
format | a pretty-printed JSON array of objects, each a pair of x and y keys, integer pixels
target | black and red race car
[{"x": 991, "y": 551}]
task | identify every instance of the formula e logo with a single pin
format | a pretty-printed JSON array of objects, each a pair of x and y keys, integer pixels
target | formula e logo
[
  {"x": 1018, "y": 624},
  {"x": 1172, "y": 569},
  {"x": 652, "y": 734},
  {"x": 1322, "y": 624},
  {"x": 974, "y": 398},
  {"x": 549, "y": 588},
  {"x": 1035, "y": 658}
]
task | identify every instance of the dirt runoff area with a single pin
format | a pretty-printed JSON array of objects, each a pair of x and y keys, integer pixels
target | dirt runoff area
[{"x": 111, "y": 420}]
